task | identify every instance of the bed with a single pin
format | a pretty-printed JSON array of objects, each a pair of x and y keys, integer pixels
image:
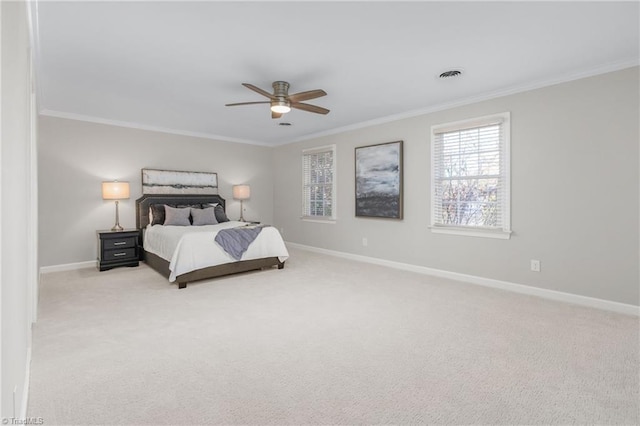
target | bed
[{"x": 189, "y": 253}]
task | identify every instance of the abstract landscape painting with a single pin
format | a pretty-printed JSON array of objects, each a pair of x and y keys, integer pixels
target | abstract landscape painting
[
  {"x": 178, "y": 182},
  {"x": 379, "y": 180}
]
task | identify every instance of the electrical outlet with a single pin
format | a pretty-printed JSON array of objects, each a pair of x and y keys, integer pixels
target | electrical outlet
[
  {"x": 535, "y": 265},
  {"x": 365, "y": 242}
]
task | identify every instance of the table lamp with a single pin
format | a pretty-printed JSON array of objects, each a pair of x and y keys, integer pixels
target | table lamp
[
  {"x": 115, "y": 191},
  {"x": 241, "y": 192}
]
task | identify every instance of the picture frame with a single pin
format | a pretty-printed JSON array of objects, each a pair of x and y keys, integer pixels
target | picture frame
[
  {"x": 156, "y": 181},
  {"x": 379, "y": 180}
]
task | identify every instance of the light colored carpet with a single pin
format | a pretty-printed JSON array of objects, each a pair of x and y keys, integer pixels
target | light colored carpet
[{"x": 324, "y": 341}]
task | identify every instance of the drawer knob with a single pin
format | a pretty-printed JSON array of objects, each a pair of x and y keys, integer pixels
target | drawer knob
[
  {"x": 120, "y": 243},
  {"x": 120, "y": 254}
]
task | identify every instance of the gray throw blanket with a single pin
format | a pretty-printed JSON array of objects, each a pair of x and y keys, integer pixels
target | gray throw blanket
[{"x": 236, "y": 241}]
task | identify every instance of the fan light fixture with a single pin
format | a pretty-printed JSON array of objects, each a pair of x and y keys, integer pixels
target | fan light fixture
[{"x": 281, "y": 107}]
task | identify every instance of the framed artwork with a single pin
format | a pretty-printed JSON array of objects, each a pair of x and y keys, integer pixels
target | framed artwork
[
  {"x": 178, "y": 182},
  {"x": 379, "y": 180}
]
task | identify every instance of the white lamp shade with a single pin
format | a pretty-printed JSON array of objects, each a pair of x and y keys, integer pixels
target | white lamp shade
[
  {"x": 241, "y": 192},
  {"x": 115, "y": 190}
]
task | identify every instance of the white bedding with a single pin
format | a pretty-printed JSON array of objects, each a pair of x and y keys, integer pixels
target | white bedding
[{"x": 188, "y": 248}]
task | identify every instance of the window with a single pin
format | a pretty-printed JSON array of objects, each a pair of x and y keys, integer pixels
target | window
[
  {"x": 318, "y": 183},
  {"x": 470, "y": 192}
]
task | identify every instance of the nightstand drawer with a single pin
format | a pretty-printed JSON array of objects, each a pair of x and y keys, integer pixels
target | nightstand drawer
[
  {"x": 120, "y": 254},
  {"x": 119, "y": 243}
]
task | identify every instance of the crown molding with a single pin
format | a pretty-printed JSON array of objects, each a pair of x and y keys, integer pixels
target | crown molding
[
  {"x": 139, "y": 126},
  {"x": 616, "y": 66}
]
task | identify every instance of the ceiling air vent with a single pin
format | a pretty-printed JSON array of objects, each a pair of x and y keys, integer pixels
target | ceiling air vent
[{"x": 451, "y": 73}]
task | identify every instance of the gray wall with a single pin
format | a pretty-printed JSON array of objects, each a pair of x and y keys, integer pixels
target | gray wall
[
  {"x": 76, "y": 156},
  {"x": 574, "y": 165},
  {"x": 17, "y": 252}
]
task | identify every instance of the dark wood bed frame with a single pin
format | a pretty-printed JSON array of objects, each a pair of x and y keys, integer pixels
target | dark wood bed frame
[{"x": 143, "y": 204}]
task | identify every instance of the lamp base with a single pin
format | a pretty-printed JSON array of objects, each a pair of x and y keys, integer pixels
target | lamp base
[
  {"x": 241, "y": 208},
  {"x": 117, "y": 227}
]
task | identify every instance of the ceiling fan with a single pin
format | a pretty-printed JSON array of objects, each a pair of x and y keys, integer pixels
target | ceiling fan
[{"x": 281, "y": 102}]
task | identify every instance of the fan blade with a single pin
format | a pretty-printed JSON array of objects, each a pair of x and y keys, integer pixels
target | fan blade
[
  {"x": 305, "y": 96},
  {"x": 258, "y": 90},
  {"x": 310, "y": 108},
  {"x": 249, "y": 103},
  {"x": 276, "y": 114}
]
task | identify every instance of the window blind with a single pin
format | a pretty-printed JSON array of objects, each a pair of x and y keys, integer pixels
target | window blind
[
  {"x": 470, "y": 174},
  {"x": 318, "y": 183}
]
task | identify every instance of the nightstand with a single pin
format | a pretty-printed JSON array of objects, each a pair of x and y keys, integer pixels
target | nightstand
[{"x": 117, "y": 248}]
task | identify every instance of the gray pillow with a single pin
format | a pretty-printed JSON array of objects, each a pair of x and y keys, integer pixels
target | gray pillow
[
  {"x": 220, "y": 214},
  {"x": 157, "y": 212},
  {"x": 203, "y": 216},
  {"x": 177, "y": 217}
]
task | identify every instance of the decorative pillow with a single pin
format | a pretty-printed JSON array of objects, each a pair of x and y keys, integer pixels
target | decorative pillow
[
  {"x": 187, "y": 206},
  {"x": 176, "y": 217},
  {"x": 203, "y": 216},
  {"x": 182, "y": 206},
  {"x": 221, "y": 216},
  {"x": 157, "y": 212}
]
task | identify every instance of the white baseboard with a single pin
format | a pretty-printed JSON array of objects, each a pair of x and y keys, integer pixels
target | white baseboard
[
  {"x": 25, "y": 386},
  {"x": 592, "y": 302},
  {"x": 68, "y": 266}
]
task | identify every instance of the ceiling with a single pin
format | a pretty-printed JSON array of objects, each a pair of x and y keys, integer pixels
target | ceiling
[{"x": 174, "y": 65}]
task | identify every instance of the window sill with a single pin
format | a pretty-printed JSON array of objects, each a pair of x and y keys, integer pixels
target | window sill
[
  {"x": 483, "y": 233},
  {"x": 317, "y": 220}
]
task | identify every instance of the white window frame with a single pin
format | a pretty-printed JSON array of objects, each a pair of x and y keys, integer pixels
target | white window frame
[
  {"x": 504, "y": 232},
  {"x": 334, "y": 189}
]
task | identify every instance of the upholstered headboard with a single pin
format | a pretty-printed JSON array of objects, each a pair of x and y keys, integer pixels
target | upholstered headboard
[{"x": 143, "y": 204}]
